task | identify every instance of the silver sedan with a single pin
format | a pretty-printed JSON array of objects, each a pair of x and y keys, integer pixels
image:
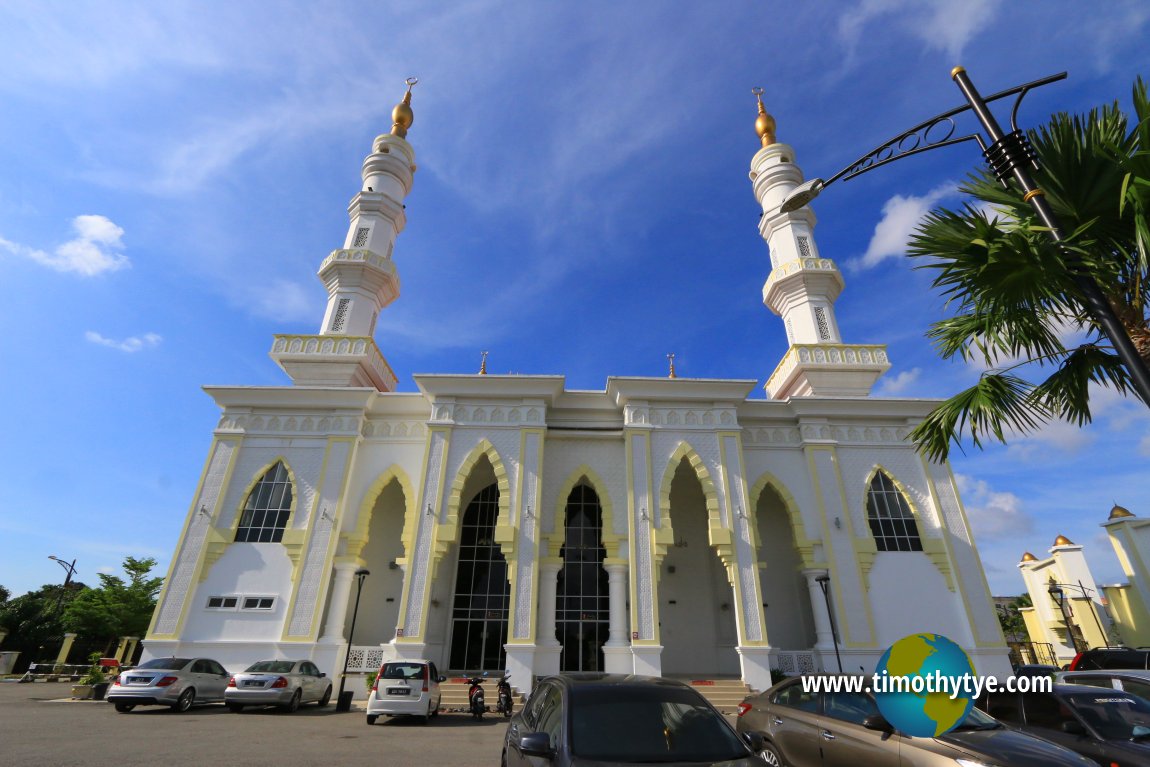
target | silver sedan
[
  {"x": 282, "y": 683},
  {"x": 176, "y": 682}
]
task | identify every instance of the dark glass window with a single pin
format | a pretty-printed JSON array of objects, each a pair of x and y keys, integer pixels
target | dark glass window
[
  {"x": 795, "y": 696},
  {"x": 891, "y": 520},
  {"x": 852, "y": 707},
  {"x": 582, "y": 604},
  {"x": 482, "y": 592},
  {"x": 266, "y": 511}
]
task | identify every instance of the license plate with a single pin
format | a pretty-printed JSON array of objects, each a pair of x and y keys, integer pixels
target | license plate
[
  {"x": 138, "y": 680},
  {"x": 253, "y": 683},
  {"x": 399, "y": 691}
]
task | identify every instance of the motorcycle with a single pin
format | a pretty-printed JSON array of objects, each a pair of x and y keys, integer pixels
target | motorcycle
[
  {"x": 503, "y": 704},
  {"x": 475, "y": 697}
]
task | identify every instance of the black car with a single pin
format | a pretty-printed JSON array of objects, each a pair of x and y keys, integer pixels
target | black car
[
  {"x": 1109, "y": 726},
  {"x": 1111, "y": 658},
  {"x": 612, "y": 719}
]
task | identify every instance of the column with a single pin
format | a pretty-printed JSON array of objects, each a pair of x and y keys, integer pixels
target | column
[
  {"x": 548, "y": 650},
  {"x": 824, "y": 637},
  {"x": 337, "y": 603},
  {"x": 617, "y": 599},
  {"x": 119, "y": 654},
  {"x": 65, "y": 648}
]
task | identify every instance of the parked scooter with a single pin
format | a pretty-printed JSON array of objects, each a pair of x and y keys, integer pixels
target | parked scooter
[
  {"x": 475, "y": 697},
  {"x": 503, "y": 704}
]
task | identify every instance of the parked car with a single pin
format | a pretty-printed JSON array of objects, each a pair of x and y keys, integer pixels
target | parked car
[
  {"x": 1110, "y": 727},
  {"x": 616, "y": 719},
  {"x": 1111, "y": 658},
  {"x": 405, "y": 688},
  {"x": 176, "y": 682},
  {"x": 816, "y": 729},
  {"x": 1036, "y": 670},
  {"x": 282, "y": 683},
  {"x": 1132, "y": 681}
]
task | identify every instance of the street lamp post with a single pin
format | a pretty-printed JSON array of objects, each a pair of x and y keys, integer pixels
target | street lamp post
[
  {"x": 824, "y": 582},
  {"x": 1056, "y": 591},
  {"x": 1059, "y": 596},
  {"x": 344, "y": 704},
  {"x": 1010, "y": 156},
  {"x": 70, "y": 568}
]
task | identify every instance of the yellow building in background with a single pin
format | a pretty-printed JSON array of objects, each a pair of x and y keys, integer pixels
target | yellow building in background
[{"x": 1130, "y": 537}]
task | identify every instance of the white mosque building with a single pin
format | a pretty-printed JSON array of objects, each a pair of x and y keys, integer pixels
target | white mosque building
[{"x": 660, "y": 526}]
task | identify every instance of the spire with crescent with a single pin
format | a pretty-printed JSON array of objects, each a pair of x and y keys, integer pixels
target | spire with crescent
[
  {"x": 402, "y": 117},
  {"x": 764, "y": 123}
]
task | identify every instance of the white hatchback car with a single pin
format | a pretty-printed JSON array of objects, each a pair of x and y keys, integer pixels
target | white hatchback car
[{"x": 405, "y": 688}]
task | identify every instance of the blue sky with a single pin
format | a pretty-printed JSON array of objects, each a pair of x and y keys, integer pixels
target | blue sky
[{"x": 173, "y": 174}]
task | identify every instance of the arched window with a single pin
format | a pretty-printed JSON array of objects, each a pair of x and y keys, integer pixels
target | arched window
[
  {"x": 891, "y": 521},
  {"x": 482, "y": 591},
  {"x": 267, "y": 508},
  {"x": 582, "y": 614}
]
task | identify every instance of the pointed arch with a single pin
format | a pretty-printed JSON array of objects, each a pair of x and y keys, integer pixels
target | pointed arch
[
  {"x": 892, "y": 519},
  {"x": 259, "y": 477},
  {"x": 720, "y": 537},
  {"x": 611, "y": 540},
  {"x": 356, "y": 538},
  {"x": 448, "y": 532},
  {"x": 805, "y": 545}
]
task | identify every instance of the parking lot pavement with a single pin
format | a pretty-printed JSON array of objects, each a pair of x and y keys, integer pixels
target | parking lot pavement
[{"x": 39, "y": 725}]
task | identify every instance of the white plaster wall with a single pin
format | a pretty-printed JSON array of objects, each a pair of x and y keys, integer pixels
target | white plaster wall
[
  {"x": 606, "y": 457},
  {"x": 245, "y": 569},
  {"x": 908, "y": 595}
]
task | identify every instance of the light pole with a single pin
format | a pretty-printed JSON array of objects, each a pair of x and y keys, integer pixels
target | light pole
[
  {"x": 824, "y": 582},
  {"x": 343, "y": 704},
  {"x": 1059, "y": 596},
  {"x": 1010, "y": 156},
  {"x": 70, "y": 568}
]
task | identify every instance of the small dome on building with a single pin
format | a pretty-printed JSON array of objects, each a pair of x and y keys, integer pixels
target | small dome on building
[
  {"x": 1028, "y": 557},
  {"x": 1062, "y": 540},
  {"x": 1120, "y": 512}
]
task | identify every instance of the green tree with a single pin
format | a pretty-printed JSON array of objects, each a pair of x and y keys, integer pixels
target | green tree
[
  {"x": 1013, "y": 625},
  {"x": 34, "y": 620},
  {"x": 118, "y": 607},
  {"x": 1013, "y": 292}
]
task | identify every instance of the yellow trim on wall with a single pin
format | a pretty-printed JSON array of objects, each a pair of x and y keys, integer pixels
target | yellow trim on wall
[
  {"x": 741, "y": 501},
  {"x": 411, "y": 533},
  {"x": 192, "y": 511},
  {"x": 536, "y": 504},
  {"x": 612, "y": 541},
  {"x": 356, "y": 539},
  {"x": 720, "y": 537},
  {"x": 803, "y": 543}
]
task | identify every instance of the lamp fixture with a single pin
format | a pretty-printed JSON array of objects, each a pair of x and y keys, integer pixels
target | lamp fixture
[
  {"x": 430, "y": 513},
  {"x": 643, "y": 514},
  {"x": 204, "y": 511},
  {"x": 838, "y": 524},
  {"x": 392, "y": 565},
  {"x": 325, "y": 514}
]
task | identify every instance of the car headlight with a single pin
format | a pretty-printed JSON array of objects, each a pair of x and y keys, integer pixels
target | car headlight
[{"x": 971, "y": 763}]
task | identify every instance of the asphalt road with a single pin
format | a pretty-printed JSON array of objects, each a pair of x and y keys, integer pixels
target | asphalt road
[{"x": 39, "y": 725}]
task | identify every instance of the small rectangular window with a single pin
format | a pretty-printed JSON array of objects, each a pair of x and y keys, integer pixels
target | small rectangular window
[
  {"x": 361, "y": 237},
  {"x": 222, "y": 603},
  {"x": 258, "y": 603}
]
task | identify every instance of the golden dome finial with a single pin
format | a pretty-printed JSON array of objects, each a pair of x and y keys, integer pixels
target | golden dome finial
[
  {"x": 402, "y": 117},
  {"x": 483, "y": 365},
  {"x": 1028, "y": 557},
  {"x": 671, "y": 359},
  {"x": 764, "y": 123},
  {"x": 1120, "y": 512},
  {"x": 1062, "y": 540}
]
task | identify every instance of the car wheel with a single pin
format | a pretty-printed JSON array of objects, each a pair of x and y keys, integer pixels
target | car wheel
[
  {"x": 325, "y": 699},
  {"x": 771, "y": 756},
  {"x": 438, "y": 703},
  {"x": 293, "y": 704},
  {"x": 124, "y": 708},
  {"x": 235, "y": 708},
  {"x": 185, "y": 701},
  {"x": 371, "y": 718}
]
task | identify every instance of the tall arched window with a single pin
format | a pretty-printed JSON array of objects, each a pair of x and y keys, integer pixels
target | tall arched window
[
  {"x": 582, "y": 615},
  {"x": 891, "y": 520},
  {"x": 482, "y": 592},
  {"x": 267, "y": 508}
]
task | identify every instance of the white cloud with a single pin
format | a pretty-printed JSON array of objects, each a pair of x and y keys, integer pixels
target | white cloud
[
  {"x": 93, "y": 251},
  {"x": 900, "y": 215},
  {"x": 943, "y": 25},
  {"x": 900, "y": 382},
  {"x": 130, "y": 344},
  {"x": 992, "y": 513}
]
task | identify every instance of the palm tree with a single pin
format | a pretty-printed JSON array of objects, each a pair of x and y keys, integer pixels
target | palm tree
[{"x": 1012, "y": 291}]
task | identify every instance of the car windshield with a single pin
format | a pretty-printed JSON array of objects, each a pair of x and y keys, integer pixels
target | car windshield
[
  {"x": 976, "y": 720},
  {"x": 1115, "y": 715},
  {"x": 271, "y": 667},
  {"x": 649, "y": 724},
  {"x": 402, "y": 671},
  {"x": 167, "y": 664}
]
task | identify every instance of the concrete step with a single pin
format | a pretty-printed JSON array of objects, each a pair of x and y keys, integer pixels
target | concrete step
[{"x": 723, "y": 694}]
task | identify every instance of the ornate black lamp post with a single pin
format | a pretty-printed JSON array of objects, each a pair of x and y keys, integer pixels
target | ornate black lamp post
[
  {"x": 1058, "y": 595},
  {"x": 342, "y": 703},
  {"x": 824, "y": 582},
  {"x": 70, "y": 568},
  {"x": 1010, "y": 156}
]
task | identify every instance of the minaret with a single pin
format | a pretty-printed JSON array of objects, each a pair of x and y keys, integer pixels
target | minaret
[
  {"x": 803, "y": 286},
  {"x": 360, "y": 277}
]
